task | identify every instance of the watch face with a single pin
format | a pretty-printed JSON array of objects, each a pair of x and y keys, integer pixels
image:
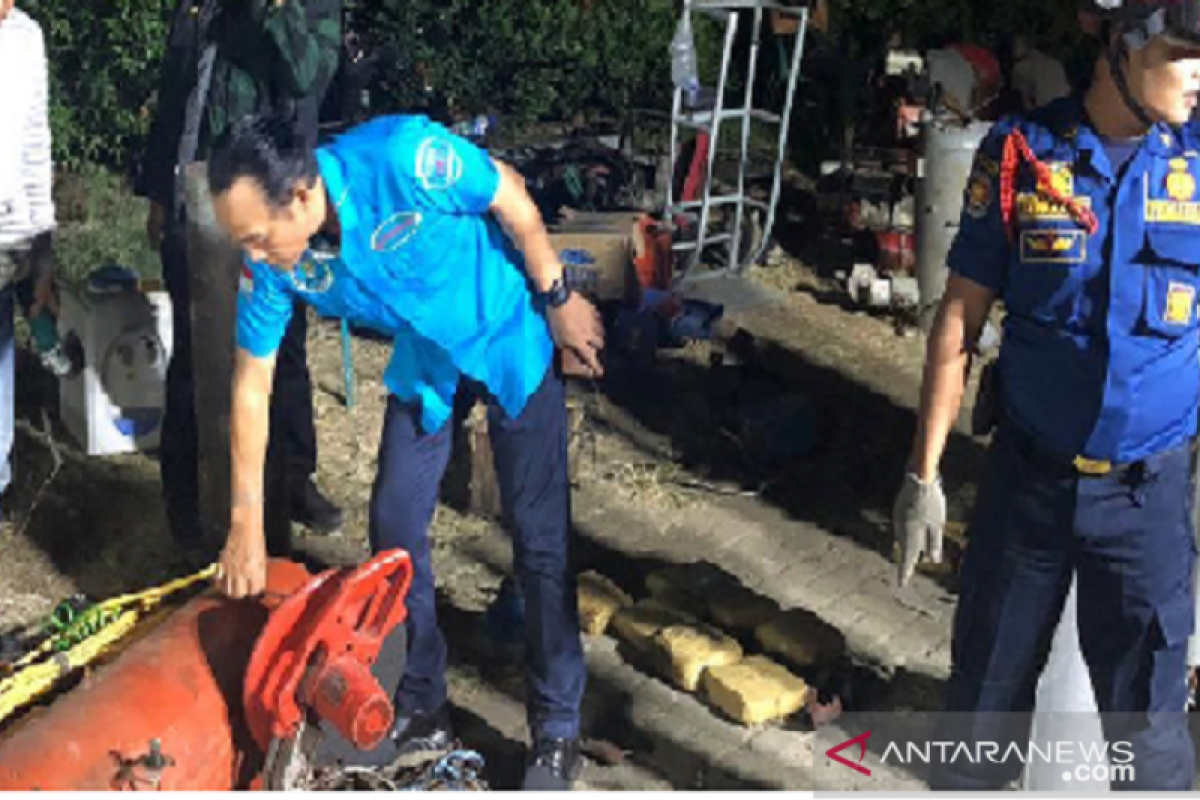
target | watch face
[{"x": 558, "y": 294}]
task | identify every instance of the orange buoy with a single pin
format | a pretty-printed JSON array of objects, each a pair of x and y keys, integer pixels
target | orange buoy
[{"x": 164, "y": 714}]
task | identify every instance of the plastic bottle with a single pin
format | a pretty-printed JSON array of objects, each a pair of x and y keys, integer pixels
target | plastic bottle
[
  {"x": 49, "y": 347},
  {"x": 684, "y": 73}
]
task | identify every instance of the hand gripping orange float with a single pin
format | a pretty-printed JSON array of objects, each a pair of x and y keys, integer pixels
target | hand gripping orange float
[{"x": 225, "y": 694}]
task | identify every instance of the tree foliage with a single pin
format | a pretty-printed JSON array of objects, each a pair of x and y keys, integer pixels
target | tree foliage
[
  {"x": 523, "y": 59},
  {"x": 527, "y": 60},
  {"x": 1052, "y": 24},
  {"x": 103, "y": 60}
]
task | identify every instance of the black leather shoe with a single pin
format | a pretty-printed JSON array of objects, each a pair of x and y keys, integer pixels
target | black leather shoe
[
  {"x": 420, "y": 738},
  {"x": 553, "y": 766},
  {"x": 314, "y": 511}
]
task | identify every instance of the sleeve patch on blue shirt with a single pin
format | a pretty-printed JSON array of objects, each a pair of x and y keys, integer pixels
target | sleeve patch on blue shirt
[
  {"x": 979, "y": 195},
  {"x": 438, "y": 166}
]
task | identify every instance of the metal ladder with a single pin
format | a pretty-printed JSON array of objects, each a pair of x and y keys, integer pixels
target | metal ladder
[{"x": 710, "y": 121}]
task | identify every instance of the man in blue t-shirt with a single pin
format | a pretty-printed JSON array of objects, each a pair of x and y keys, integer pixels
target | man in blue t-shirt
[{"x": 403, "y": 228}]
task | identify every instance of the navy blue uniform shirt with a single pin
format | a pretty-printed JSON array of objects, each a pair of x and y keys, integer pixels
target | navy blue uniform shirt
[{"x": 1100, "y": 351}]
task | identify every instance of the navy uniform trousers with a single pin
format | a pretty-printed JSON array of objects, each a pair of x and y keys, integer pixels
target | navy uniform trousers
[
  {"x": 1129, "y": 537},
  {"x": 531, "y": 468}
]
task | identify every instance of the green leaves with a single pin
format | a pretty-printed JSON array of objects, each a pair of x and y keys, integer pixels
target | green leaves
[
  {"x": 1052, "y": 24},
  {"x": 526, "y": 61},
  {"x": 549, "y": 59},
  {"x": 103, "y": 61}
]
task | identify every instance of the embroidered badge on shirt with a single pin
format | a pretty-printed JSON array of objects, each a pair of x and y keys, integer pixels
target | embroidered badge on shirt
[
  {"x": 1181, "y": 299},
  {"x": 246, "y": 281},
  {"x": 396, "y": 231},
  {"x": 1062, "y": 180},
  {"x": 438, "y": 166},
  {"x": 979, "y": 195},
  {"x": 979, "y": 188},
  {"x": 313, "y": 275},
  {"x": 1040, "y": 207},
  {"x": 1180, "y": 186},
  {"x": 1050, "y": 246}
]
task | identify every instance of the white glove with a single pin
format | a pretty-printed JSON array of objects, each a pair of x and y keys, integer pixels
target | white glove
[
  {"x": 918, "y": 519},
  {"x": 1193, "y": 649}
]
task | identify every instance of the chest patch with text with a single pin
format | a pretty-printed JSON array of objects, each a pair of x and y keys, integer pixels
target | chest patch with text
[
  {"x": 1174, "y": 200},
  {"x": 1050, "y": 246}
]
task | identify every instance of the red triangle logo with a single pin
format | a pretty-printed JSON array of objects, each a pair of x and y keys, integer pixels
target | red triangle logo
[{"x": 861, "y": 741}]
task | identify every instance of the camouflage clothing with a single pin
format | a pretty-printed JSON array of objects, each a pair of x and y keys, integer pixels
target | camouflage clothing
[{"x": 269, "y": 56}]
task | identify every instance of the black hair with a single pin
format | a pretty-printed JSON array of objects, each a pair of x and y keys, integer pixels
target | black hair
[{"x": 271, "y": 151}]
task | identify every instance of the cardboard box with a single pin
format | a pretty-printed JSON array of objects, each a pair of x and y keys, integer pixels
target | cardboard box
[{"x": 604, "y": 245}]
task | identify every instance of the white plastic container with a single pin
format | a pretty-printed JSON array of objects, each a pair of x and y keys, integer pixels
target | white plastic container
[{"x": 115, "y": 404}]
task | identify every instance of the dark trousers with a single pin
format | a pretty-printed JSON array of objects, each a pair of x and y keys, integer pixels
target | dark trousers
[
  {"x": 531, "y": 467},
  {"x": 1128, "y": 536},
  {"x": 293, "y": 434}
]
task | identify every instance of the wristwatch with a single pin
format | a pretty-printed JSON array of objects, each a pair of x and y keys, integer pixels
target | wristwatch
[{"x": 557, "y": 295}]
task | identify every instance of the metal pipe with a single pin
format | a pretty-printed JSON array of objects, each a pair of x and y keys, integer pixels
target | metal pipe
[
  {"x": 214, "y": 267},
  {"x": 718, "y": 112},
  {"x": 785, "y": 123}
]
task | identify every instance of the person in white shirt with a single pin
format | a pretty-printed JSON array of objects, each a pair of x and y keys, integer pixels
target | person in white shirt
[
  {"x": 1037, "y": 78},
  {"x": 26, "y": 205}
]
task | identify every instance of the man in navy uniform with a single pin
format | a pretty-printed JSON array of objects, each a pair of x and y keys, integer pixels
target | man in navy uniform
[{"x": 1084, "y": 219}]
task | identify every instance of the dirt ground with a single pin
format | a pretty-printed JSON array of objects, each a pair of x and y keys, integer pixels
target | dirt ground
[{"x": 96, "y": 526}]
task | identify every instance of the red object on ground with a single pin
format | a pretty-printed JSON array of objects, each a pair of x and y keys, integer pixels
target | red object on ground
[
  {"x": 697, "y": 170},
  {"x": 897, "y": 251},
  {"x": 180, "y": 683},
  {"x": 317, "y": 651},
  {"x": 652, "y": 253}
]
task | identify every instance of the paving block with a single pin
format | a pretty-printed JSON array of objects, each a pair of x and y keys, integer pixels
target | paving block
[
  {"x": 832, "y": 583},
  {"x": 755, "y": 690},
  {"x": 638, "y": 624},
  {"x": 877, "y": 620},
  {"x": 738, "y": 609},
  {"x": 599, "y": 601},
  {"x": 688, "y": 650},
  {"x": 801, "y": 639}
]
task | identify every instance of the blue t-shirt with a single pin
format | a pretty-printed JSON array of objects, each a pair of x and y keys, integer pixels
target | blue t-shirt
[{"x": 421, "y": 260}]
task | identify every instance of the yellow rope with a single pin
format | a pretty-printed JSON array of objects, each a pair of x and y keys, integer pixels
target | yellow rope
[
  {"x": 147, "y": 600},
  {"x": 32, "y": 681},
  {"x": 152, "y": 597}
]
